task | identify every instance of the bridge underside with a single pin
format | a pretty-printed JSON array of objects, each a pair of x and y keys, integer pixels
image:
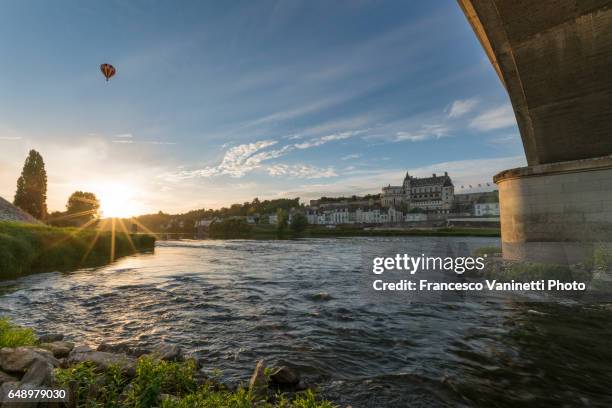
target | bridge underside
[{"x": 554, "y": 58}]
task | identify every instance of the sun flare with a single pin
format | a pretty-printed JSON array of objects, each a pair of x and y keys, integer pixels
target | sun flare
[{"x": 117, "y": 200}]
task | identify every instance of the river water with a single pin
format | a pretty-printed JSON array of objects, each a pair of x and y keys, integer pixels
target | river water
[{"x": 307, "y": 304}]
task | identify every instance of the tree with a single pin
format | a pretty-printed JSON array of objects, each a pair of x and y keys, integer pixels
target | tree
[
  {"x": 81, "y": 208},
  {"x": 230, "y": 228},
  {"x": 299, "y": 222},
  {"x": 31, "y": 194},
  {"x": 83, "y": 204},
  {"x": 281, "y": 220}
]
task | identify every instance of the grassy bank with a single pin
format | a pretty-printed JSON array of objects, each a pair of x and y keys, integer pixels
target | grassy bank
[
  {"x": 434, "y": 232},
  {"x": 26, "y": 248},
  {"x": 154, "y": 382},
  {"x": 167, "y": 384},
  {"x": 12, "y": 335},
  {"x": 269, "y": 232}
]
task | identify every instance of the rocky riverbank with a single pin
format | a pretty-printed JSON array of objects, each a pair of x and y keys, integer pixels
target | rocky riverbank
[{"x": 123, "y": 376}]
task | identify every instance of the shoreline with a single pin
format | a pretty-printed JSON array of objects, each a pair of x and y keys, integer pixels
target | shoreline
[
  {"x": 271, "y": 233},
  {"x": 123, "y": 376},
  {"x": 37, "y": 248}
]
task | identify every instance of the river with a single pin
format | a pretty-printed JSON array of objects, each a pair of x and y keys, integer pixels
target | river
[{"x": 305, "y": 303}]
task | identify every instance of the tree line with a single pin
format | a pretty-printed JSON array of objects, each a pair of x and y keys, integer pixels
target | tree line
[
  {"x": 185, "y": 222},
  {"x": 82, "y": 207}
]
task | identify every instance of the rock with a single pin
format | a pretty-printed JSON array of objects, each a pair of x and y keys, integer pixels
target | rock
[
  {"x": 4, "y": 377},
  {"x": 6, "y": 387},
  {"x": 58, "y": 348},
  {"x": 284, "y": 376},
  {"x": 302, "y": 386},
  {"x": 104, "y": 360},
  {"x": 114, "y": 348},
  {"x": 168, "y": 352},
  {"x": 323, "y": 297},
  {"x": 39, "y": 373},
  {"x": 4, "y": 390},
  {"x": 199, "y": 362},
  {"x": 139, "y": 351},
  {"x": 81, "y": 349},
  {"x": 19, "y": 359},
  {"x": 13, "y": 403},
  {"x": 258, "y": 385},
  {"x": 124, "y": 348},
  {"x": 51, "y": 338}
]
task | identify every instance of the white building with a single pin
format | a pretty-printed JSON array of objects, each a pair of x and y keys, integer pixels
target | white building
[
  {"x": 339, "y": 216},
  {"x": 412, "y": 217},
  {"x": 360, "y": 215},
  {"x": 434, "y": 193},
  {"x": 486, "y": 209}
]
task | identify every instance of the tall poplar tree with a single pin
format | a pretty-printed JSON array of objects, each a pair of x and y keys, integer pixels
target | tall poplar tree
[{"x": 31, "y": 194}]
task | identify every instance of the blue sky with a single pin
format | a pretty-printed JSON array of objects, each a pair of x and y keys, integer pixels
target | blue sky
[{"x": 219, "y": 102}]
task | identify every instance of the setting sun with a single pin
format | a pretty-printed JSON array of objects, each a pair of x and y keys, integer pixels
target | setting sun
[{"x": 117, "y": 200}]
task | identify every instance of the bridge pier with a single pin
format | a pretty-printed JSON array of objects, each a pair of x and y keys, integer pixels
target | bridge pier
[
  {"x": 558, "y": 212},
  {"x": 554, "y": 59}
]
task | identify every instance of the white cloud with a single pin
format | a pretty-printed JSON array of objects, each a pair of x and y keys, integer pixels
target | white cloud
[
  {"x": 242, "y": 159},
  {"x": 301, "y": 171},
  {"x": 157, "y": 142},
  {"x": 10, "y": 137},
  {"x": 461, "y": 107},
  {"x": 351, "y": 156},
  {"x": 152, "y": 142},
  {"x": 236, "y": 162},
  {"x": 318, "y": 141},
  {"x": 425, "y": 132},
  {"x": 496, "y": 118},
  {"x": 505, "y": 139},
  {"x": 125, "y": 135}
]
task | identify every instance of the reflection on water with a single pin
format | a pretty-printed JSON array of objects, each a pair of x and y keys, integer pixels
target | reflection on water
[{"x": 302, "y": 303}]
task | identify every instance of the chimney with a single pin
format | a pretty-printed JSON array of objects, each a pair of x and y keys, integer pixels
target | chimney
[
  {"x": 434, "y": 175},
  {"x": 446, "y": 173}
]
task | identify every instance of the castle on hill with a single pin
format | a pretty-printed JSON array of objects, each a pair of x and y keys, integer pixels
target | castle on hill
[{"x": 435, "y": 194}]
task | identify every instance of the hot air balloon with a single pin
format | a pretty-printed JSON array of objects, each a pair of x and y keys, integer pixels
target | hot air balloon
[{"x": 107, "y": 70}]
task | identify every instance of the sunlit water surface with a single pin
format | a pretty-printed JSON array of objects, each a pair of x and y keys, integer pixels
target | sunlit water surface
[{"x": 234, "y": 302}]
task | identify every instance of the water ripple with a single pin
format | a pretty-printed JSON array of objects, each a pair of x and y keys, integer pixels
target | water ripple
[{"x": 302, "y": 303}]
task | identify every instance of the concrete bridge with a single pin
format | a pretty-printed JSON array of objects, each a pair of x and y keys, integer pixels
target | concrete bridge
[{"x": 554, "y": 57}]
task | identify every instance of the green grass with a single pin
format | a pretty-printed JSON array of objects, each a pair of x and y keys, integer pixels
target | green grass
[
  {"x": 12, "y": 335},
  {"x": 164, "y": 384},
  {"x": 270, "y": 232},
  {"x": 266, "y": 231},
  {"x": 209, "y": 397},
  {"x": 487, "y": 250},
  {"x": 156, "y": 377},
  {"x": 600, "y": 259},
  {"x": 26, "y": 248},
  {"x": 343, "y": 231}
]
